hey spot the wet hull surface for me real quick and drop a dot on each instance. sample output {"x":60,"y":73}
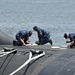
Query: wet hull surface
{"x":56,"y":61}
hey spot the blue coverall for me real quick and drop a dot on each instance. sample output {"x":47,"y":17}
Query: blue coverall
{"x":72,"y":38}
{"x":45,"y":36}
{"x":23,"y":35}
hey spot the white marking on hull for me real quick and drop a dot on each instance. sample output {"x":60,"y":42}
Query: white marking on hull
{"x":2,"y":53}
{"x":30,"y":59}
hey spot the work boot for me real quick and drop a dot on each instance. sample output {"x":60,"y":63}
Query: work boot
{"x":15,"y":43}
{"x":50,"y":41}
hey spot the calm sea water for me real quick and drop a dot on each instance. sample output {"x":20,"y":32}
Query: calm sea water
{"x":56,"y":16}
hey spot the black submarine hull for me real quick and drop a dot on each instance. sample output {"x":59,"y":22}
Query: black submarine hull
{"x":56,"y":61}
{"x":5,"y":39}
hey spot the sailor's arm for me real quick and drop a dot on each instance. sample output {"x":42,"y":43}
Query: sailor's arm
{"x":22,"y":41}
{"x":71,"y":44}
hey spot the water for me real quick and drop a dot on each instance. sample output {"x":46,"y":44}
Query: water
{"x":57,"y":16}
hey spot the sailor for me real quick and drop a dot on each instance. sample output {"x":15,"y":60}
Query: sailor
{"x":22,"y":38}
{"x":71,"y":37}
{"x":43,"y":36}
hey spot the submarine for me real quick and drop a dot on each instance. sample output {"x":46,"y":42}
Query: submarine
{"x":35,"y":59}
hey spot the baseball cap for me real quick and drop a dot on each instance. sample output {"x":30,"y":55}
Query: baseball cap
{"x":34,"y":27}
{"x":65,"y":36}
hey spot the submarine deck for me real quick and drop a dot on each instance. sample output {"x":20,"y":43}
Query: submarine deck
{"x":56,"y":61}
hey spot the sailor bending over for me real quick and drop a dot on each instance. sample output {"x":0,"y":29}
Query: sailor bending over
{"x":22,"y":38}
{"x":43,"y":36}
{"x":71,"y":37}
